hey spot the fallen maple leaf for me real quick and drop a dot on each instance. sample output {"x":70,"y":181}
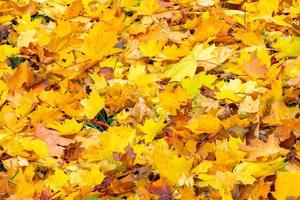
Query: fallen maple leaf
{"x":4,"y":31}
{"x":286,"y":184}
{"x":55,"y":143}
{"x":43,"y":55}
{"x":261,"y":189}
{"x":254,"y":69}
{"x":259,"y":150}
{"x":73,"y":10}
{"x":7,"y":50}
{"x":23,"y":77}
{"x":149,"y":99}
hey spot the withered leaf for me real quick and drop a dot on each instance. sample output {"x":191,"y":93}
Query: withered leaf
{"x":55,"y":143}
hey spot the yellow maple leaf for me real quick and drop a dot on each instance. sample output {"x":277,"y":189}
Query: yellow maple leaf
{"x":228,"y":152}
{"x":247,"y":172}
{"x":26,"y":187}
{"x":3,"y":91}
{"x":26,"y":37}
{"x":250,"y":38}
{"x":203,"y":167}
{"x":137,"y":73}
{"x":230,"y":90}
{"x":148,"y":7}
{"x":151,"y":128}
{"x":63,"y":28}
{"x":11,"y":120}
{"x":293,"y":47}
{"x":173,"y":53}
{"x":249,"y":105}
{"x":169,"y":164}
{"x":43,"y":37}
{"x":287,"y":184}
{"x":90,"y":177}
{"x":25,"y":105}
{"x":57,"y":180}
{"x":99,"y":82}
{"x":92,"y":105}
{"x":43,"y":114}
{"x":35,"y":145}
{"x":151,"y":47}
{"x":192,"y":85}
{"x":266,"y":7}
{"x":100,"y":42}
{"x":204,"y":124}
{"x":115,"y":139}
{"x":171,"y":99}
{"x":69,"y":126}
{"x":25,"y":23}
{"x":258,"y":149}
{"x":221,"y":181}
{"x":13,"y":148}
{"x":187,"y":66}
{"x":73,"y":10}
{"x":7,"y":50}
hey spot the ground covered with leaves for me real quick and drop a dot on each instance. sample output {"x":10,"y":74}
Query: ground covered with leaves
{"x":149,"y":99}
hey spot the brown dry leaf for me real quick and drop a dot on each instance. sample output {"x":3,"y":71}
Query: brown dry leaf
{"x":72,"y":152}
{"x":4,"y":32}
{"x":55,"y":143}
{"x":160,"y":189}
{"x":127,"y":158}
{"x":288,"y":126}
{"x":38,"y":87}
{"x":257,"y":191}
{"x":107,"y":73}
{"x":43,"y":55}
{"x":115,"y":186}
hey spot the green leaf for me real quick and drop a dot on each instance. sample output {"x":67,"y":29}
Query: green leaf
{"x":92,"y":198}
{"x":45,"y":19}
{"x":14,"y":61}
{"x":101,"y":117}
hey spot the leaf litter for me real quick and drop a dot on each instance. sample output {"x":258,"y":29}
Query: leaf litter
{"x":149,"y":99}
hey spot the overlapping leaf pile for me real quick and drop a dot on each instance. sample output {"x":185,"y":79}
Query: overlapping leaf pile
{"x":149,"y":99}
